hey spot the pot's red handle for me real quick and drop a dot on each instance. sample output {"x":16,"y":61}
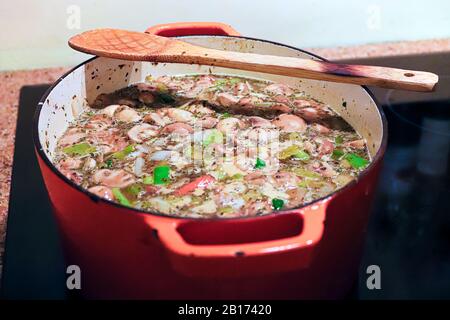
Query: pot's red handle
{"x":224,"y":257}
{"x":192,"y":28}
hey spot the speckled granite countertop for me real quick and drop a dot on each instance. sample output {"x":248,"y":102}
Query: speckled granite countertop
{"x":12,"y":81}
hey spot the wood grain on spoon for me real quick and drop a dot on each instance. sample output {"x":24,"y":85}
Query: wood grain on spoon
{"x":130,"y":45}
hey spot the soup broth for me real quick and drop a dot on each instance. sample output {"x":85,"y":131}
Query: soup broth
{"x":210,"y":146}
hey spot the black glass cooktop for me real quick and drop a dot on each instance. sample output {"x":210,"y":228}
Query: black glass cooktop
{"x":409,"y":232}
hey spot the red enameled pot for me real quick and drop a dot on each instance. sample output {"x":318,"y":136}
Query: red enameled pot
{"x":309,"y":252}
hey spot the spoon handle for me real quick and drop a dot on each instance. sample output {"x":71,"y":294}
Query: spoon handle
{"x":130,"y":45}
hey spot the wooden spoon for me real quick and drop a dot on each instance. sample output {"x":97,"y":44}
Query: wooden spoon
{"x":131,"y":45}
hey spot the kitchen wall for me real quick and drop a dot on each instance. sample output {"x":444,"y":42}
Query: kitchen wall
{"x":33,"y":34}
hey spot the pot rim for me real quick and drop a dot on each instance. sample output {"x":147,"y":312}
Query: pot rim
{"x":377,"y":157}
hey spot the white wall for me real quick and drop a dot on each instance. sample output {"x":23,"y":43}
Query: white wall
{"x":34,"y":34}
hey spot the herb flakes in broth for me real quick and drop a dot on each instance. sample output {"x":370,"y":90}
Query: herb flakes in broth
{"x":210,"y":146}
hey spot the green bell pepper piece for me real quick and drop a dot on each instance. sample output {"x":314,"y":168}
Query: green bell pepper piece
{"x":260,"y":163}
{"x":80,"y":149}
{"x":356,"y":161}
{"x":121,"y":197}
{"x":337,"y":154}
{"x":161,"y":174}
{"x":277,"y":204}
{"x":122,"y":154}
{"x":302,"y":155}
